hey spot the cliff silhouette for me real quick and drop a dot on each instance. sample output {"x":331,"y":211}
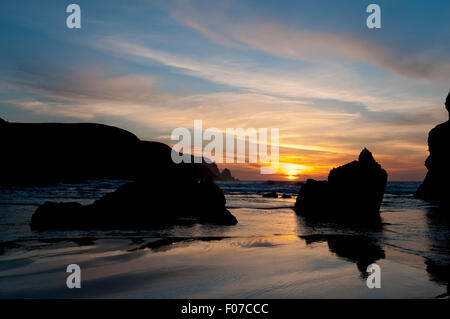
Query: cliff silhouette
{"x":47,"y":153}
{"x":435,"y":187}
{"x":161,"y":192}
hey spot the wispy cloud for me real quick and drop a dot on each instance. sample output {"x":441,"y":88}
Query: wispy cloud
{"x":330,"y":82}
{"x":276,"y":38}
{"x":329,"y":91}
{"x":310,"y":135}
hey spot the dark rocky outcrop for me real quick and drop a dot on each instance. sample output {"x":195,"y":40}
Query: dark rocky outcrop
{"x":142,"y":204}
{"x":161,"y":193}
{"x":226,"y":175}
{"x":48,"y":153}
{"x":270,"y":195}
{"x":166,"y":195}
{"x":44,"y":153}
{"x":436,"y":187}
{"x":353,"y":192}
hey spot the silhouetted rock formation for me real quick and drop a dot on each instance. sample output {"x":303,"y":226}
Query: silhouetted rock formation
{"x":226,"y":175}
{"x":436,"y":187}
{"x":150,"y":202}
{"x":55,"y":152}
{"x":353,"y":192}
{"x":207,"y":169}
{"x":270,"y":195}
{"x":47,"y":153}
{"x":162,"y":193}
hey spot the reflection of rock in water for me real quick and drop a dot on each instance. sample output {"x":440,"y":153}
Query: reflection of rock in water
{"x":312,"y":223}
{"x":438,"y":267}
{"x":440,"y":273}
{"x":166,"y":244}
{"x":359,"y":249}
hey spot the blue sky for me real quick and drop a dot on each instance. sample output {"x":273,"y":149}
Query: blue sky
{"x":311,"y":68}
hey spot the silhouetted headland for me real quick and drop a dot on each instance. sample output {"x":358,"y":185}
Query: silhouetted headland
{"x":48,"y":153}
{"x":353,"y":192}
{"x":436,"y":187}
{"x":226,"y":175}
{"x":161,"y":193}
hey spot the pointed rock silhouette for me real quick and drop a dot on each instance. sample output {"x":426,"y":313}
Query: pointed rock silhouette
{"x":353,"y":192}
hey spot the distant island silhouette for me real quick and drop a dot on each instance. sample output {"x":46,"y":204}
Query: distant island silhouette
{"x":436,"y":187}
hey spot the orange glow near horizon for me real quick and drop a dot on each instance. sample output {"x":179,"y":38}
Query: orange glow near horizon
{"x":292,"y":171}
{"x":298,"y":163}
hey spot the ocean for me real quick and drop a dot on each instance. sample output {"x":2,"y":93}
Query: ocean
{"x":270,"y":253}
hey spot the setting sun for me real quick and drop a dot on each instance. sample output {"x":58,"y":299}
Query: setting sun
{"x":292,"y":171}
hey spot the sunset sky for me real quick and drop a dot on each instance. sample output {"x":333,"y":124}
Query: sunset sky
{"x":310,"y":68}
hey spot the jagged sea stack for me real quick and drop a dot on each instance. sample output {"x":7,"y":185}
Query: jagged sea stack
{"x":353,"y":192}
{"x":436,"y":187}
